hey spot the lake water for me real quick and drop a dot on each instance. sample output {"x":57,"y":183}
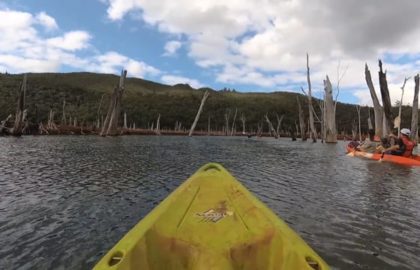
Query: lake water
{"x":64,"y":201}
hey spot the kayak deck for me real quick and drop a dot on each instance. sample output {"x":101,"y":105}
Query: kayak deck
{"x":409,"y":161}
{"x":211,"y":222}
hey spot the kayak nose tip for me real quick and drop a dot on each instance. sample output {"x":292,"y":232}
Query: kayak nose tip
{"x":212,"y":167}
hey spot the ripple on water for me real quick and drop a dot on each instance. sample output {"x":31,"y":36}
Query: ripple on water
{"x":64,"y":201}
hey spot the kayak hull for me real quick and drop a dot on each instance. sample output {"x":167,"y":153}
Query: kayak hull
{"x":211,"y":222}
{"x":409,"y":161}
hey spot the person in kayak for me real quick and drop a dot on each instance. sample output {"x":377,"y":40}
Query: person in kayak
{"x":368,"y":145}
{"x":404,"y":146}
{"x":383,"y":145}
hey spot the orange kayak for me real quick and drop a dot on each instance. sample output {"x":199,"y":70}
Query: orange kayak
{"x":409,"y":161}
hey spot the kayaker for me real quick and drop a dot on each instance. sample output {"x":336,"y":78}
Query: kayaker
{"x":409,"y":144}
{"x":383,"y":145}
{"x":404,"y":146}
{"x":368,"y":145}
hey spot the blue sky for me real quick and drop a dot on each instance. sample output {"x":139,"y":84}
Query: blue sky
{"x":249,"y":46}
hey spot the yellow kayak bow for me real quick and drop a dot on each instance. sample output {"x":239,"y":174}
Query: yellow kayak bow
{"x":211,"y":221}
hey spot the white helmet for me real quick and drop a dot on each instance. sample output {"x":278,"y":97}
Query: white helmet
{"x":405,"y":131}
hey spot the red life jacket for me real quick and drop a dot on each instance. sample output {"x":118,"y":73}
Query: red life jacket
{"x":409,"y":145}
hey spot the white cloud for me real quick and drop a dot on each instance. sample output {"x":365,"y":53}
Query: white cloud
{"x":71,"y":41}
{"x":18,"y":63}
{"x":113,"y":62}
{"x":16,"y":29}
{"x":24,"y":49}
{"x":172,"y":80}
{"x":250,"y":41}
{"x":47,"y":21}
{"x":172,"y":47}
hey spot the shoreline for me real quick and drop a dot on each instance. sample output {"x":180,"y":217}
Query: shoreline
{"x":93,"y":131}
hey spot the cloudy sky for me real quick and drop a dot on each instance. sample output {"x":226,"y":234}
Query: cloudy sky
{"x":254,"y":45}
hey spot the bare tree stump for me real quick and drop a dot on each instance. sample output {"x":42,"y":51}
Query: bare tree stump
{"x":301,"y":120}
{"x":378,"y":111}
{"x":388,"y":119}
{"x":110,"y":125}
{"x":313,"y":133}
{"x":51,"y":124}
{"x":98,"y":114}
{"x":259,"y":129}
{"x":208,"y":125}
{"x":226,"y":127}
{"x":234,"y":122}
{"x":63,"y":116}
{"x":157,"y":130}
{"x":200,"y":109}
{"x":270,"y":126}
{"x":415,"y":111}
{"x":19,"y":116}
{"x":279,"y":121}
{"x":369,"y":120}
{"x":243,"y":120}
{"x":330,"y":129}
{"x":358,"y":117}
{"x":3,"y":128}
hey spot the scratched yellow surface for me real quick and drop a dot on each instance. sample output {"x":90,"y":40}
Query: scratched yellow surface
{"x":211,"y":222}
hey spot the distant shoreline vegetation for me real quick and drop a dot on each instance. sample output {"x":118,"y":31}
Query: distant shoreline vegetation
{"x":84,"y":99}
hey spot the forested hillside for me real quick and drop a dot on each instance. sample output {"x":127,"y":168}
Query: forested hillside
{"x":144,"y":100}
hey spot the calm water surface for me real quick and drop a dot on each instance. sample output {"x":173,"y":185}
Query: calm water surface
{"x":64,"y":201}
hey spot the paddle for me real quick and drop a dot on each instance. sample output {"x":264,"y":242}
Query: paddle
{"x":382,"y":156}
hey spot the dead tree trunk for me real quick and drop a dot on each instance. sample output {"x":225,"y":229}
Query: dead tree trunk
{"x":329,"y":113}
{"x":51,"y":124}
{"x":232,"y":132}
{"x":259,"y":129}
{"x":358,"y":117}
{"x":270,"y":127}
{"x":197,"y":117}
{"x":415,"y":111}
{"x":369,"y":120}
{"x":157,"y":130}
{"x":301,"y":120}
{"x":279,"y":120}
{"x":42,"y":129}
{"x":292,"y":134}
{"x":19,"y":117}
{"x":3,"y":128}
{"x":378,"y":111}
{"x":323,"y":122}
{"x":386,"y":101}
{"x":63,"y":116}
{"x":208,"y":125}
{"x":98,"y":113}
{"x":178,"y":126}
{"x":313,"y":133}
{"x":125,"y":120}
{"x":243,"y":120}
{"x":110,"y":124}
{"x":398,"y":124}
{"x":227,"y":117}
{"x":354,"y":131}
